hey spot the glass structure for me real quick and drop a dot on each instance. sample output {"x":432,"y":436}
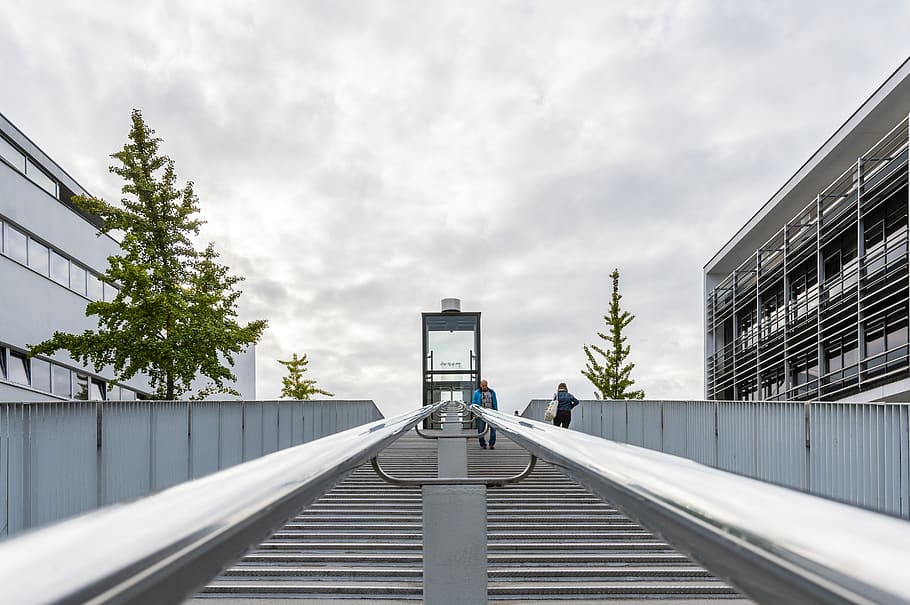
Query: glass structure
{"x":451,"y":356}
{"x":820,"y":311}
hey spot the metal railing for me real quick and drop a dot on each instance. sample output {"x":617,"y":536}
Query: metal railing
{"x":163,"y":548}
{"x":774,"y":544}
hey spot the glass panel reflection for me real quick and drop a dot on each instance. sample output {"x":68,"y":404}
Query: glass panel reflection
{"x":450,"y":350}
{"x":61,"y":378}
{"x":15,"y":243}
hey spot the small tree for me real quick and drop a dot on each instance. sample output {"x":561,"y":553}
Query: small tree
{"x":173,"y":317}
{"x":294,"y":385}
{"x":611,"y":378}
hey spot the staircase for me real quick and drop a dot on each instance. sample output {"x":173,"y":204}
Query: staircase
{"x":549,"y":539}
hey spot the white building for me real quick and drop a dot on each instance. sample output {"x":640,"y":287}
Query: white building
{"x":810,"y":299}
{"x":50,"y":262}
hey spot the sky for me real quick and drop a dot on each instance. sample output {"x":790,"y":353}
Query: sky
{"x":356,"y":162}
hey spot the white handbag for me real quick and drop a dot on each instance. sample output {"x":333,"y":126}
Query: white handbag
{"x":550,"y":414}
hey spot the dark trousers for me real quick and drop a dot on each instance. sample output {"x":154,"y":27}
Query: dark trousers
{"x":562,"y":419}
{"x":482,"y":425}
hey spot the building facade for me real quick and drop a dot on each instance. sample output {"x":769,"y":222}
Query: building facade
{"x":810,"y":299}
{"x":51,"y":260}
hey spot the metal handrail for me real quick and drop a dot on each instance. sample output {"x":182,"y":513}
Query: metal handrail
{"x":774,"y":544}
{"x":165,"y":547}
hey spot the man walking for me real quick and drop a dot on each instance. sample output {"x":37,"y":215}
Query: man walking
{"x":485,"y":397}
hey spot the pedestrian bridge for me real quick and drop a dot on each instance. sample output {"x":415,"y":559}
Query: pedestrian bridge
{"x":675,"y":501}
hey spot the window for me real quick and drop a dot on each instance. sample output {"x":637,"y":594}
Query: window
{"x":110,"y":292}
{"x":61,"y":381}
{"x":127,"y":394}
{"x":97,"y":390}
{"x":113,"y":392}
{"x":41,"y":375}
{"x":77,"y":279}
{"x":18,"y":368}
{"x":38,"y":256}
{"x":12,"y":155}
{"x":40,"y":178}
{"x":2,"y":361}
{"x":60,"y":269}
{"x":80,"y":382}
{"x":15,"y":243}
{"x":95,"y":289}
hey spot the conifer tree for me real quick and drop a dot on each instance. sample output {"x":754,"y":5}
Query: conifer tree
{"x":294,"y":385}
{"x":611,"y":376}
{"x":174,"y":316}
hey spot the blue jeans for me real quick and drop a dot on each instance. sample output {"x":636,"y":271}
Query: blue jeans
{"x":482,"y":425}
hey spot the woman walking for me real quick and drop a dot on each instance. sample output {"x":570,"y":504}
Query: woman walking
{"x":566,"y":401}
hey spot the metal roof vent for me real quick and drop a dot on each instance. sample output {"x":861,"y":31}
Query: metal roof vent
{"x":451,"y":304}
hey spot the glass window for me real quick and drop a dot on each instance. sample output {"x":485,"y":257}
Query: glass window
{"x":875,"y":338}
{"x":18,"y":368}
{"x":110,"y":292}
{"x":61,"y":381}
{"x":113,"y":392}
{"x":95,"y":290}
{"x":77,"y":278}
{"x":41,"y":375}
{"x":96,"y":390}
{"x":127,"y":394}
{"x":40,"y":178}
{"x":38,"y":256}
{"x":3,"y":363}
{"x":12,"y":155}
{"x":60,"y":269}
{"x":15,"y":243}
{"x":80,"y":382}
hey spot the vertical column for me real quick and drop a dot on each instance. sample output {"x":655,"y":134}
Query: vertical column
{"x":454,"y":544}
{"x":452,"y":454}
{"x":786,"y":251}
{"x":860,"y":265}
{"x":819,"y":271}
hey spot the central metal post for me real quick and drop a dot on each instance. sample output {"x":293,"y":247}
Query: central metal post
{"x":452,"y":454}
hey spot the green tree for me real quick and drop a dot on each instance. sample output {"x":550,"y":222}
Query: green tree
{"x":174,"y":316}
{"x":294,"y":385}
{"x":611,"y":377}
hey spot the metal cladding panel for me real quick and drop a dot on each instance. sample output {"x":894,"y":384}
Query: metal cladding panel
{"x":676,"y":437}
{"x":780,"y":443}
{"x":62,"y":461}
{"x":700,"y":429}
{"x":736,"y":437}
{"x":606,"y":419}
{"x":17,"y":442}
{"x":635,"y":423}
{"x":231,"y":433}
{"x":308,"y":423}
{"x":126,"y":450}
{"x":269,"y":427}
{"x":298,"y":416}
{"x":652,"y":430}
{"x":4,"y":469}
{"x":285,"y":423}
{"x":204,"y":438}
{"x":904,"y":462}
{"x":858,"y":454}
{"x":329,"y":417}
{"x":252,"y":430}
{"x":170,"y":444}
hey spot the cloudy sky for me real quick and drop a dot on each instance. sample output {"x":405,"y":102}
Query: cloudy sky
{"x":358,"y":161}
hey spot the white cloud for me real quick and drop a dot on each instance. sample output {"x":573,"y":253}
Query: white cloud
{"x":359,"y":161}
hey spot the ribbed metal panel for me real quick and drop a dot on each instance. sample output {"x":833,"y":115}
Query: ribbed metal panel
{"x":170,"y":443}
{"x":204,"y":438}
{"x":252,"y":430}
{"x":62,"y":460}
{"x":231,"y":424}
{"x":780,"y":443}
{"x":736,"y":437}
{"x":126,"y":451}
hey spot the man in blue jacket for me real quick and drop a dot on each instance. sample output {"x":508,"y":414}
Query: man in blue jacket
{"x":485,"y":397}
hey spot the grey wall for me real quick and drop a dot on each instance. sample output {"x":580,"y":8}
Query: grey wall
{"x":857,"y":453}
{"x":58,"y":459}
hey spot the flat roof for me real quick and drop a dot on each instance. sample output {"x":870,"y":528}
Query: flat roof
{"x":877,"y":116}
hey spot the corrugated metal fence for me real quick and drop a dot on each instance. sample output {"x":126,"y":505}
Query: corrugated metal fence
{"x":852,"y":452}
{"x":62,"y":458}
